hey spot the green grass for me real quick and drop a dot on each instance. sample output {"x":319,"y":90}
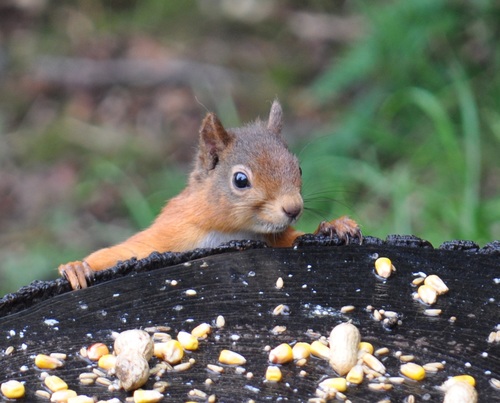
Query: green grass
{"x":412,"y":138}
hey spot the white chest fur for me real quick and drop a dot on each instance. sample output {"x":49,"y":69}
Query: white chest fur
{"x":215,"y":238}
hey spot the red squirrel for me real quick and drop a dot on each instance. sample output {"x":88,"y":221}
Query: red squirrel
{"x":245,"y":184}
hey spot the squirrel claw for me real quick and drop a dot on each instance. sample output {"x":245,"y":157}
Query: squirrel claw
{"x":343,"y":228}
{"x":79,"y":274}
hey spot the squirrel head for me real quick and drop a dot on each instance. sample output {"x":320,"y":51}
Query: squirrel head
{"x":249,"y":174}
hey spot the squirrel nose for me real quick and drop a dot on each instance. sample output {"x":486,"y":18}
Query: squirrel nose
{"x":292,"y":211}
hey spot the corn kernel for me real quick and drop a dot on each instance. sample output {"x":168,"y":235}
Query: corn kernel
{"x":427,"y":294}
{"x":435,"y":282}
{"x":147,"y":396}
{"x":464,"y":378}
{"x":107,"y":362}
{"x":232,"y":358}
{"x":301,"y":350}
{"x":43,"y":361}
{"x":281,"y":354}
{"x":413,"y":371}
{"x":54,"y":383}
{"x":202,"y":330}
{"x":339,"y":384}
{"x":320,"y":350}
{"x":273,"y":374}
{"x":62,"y":396}
{"x":366,"y":347}
{"x":96,"y":351}
{"x":384,"y":267}
{"x":171,"y":351}
{"x":355,"y":375}
{"x":187,"y":340}
{"x":12,"y":389}
{"x":373,"y":363}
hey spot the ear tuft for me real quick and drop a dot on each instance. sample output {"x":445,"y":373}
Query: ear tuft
{"x":275,"y":122}
{"x":213,"y":140}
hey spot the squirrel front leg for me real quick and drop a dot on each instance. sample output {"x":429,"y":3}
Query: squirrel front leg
{"x":78,"y":273}
{"x":343,"y":228}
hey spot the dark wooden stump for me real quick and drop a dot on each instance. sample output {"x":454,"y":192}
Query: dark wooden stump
{"x":239,"y":282}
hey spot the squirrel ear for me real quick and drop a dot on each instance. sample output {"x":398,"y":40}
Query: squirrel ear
{"x":275,"y":122}
{"x":213,"y":140}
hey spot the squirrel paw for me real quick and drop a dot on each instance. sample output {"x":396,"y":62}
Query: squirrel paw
{"x":343,"y":228}
{"x":79,"y":274}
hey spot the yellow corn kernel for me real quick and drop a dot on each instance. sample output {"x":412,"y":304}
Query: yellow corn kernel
{"x":158,"y":349}
{"x":202,"y":330}
{"x":339,"y":384}
{"x":54,"y":383}
{"x":44,"y":361}
{"x":427,"y":294}
{"x":188,"y":341}
{"x":374,"y":363}
{"x":96,"y":351}
{"x":232,"y":358}
{"x":465,"y":378}
{"x":171,"y":351}
{"x":413,"y":371}
{"x":355,"y":375}
{"x":107,"y":362}
{"x":301,"y":350}
{"x":366,"y":347}
{"x":12,"y":389}
{"x":81,"y":399}
{"x":281,"y":354}
{"x":147,"y":396}
{"x":62,"y":396}
{"x":384,"y":267}
{"x":273,"y":374}
{"x":435,"y":282}
{"x":320,"y":350}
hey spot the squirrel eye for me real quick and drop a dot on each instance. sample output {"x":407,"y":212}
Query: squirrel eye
{"x":240,"y":180}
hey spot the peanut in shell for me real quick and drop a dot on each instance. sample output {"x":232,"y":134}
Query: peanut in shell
{"x":344,"y":342}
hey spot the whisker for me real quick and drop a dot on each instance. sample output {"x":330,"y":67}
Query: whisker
{"x":316,"y":212}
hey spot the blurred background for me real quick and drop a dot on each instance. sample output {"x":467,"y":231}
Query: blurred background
{"x":393,"y":108}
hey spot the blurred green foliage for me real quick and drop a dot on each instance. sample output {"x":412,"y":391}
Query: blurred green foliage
{"x":397,"y":125}
{"x":418,"y":139}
